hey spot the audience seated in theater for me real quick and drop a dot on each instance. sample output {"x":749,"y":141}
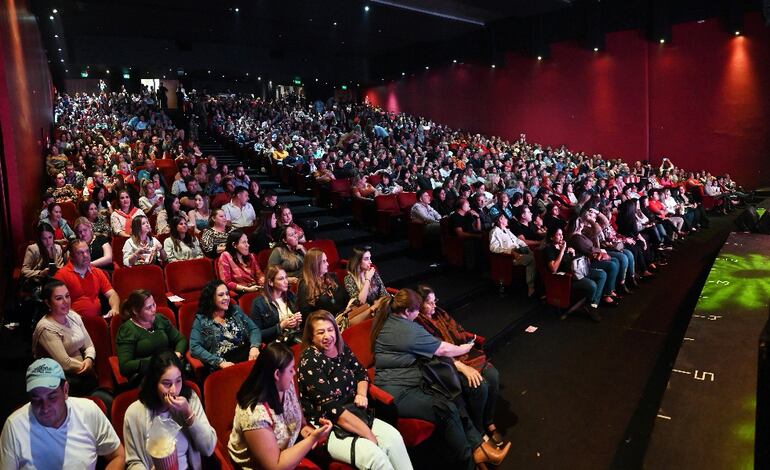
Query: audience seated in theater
{"x":423,"y":213}
{"x":98,"y":245}
{"x":61,"y":335}
{"x":523,"y":226}
{"x":214,"y":238}
{"x":334,"y":386}
{"x":238,"y":268}
{"x":262,"y":238}
{"x":164,"y":394}
{"x":464,"y":222}
{"x":363,"y":282}
{"x":361,"y":189}
{"x":99,"y":197}
{"x":440,"y":203}
{"x":502,"y":240}
{"x":62,"y":231}
{"x":63,"y":192}
{"x":239,"y":212}
{"x":198,"y":216}
{"x":318,"y":288}
{"x":286,"y":219}
{"x":615,"y":250}
{"x":288,"y":253}
{"x":124,"y":214}
{"x":86,"y":283}
{"x":41,"y":259}
{"x":275,"y":311}
{"x":142,"y":247}
{"x":100,"y":224}
{"x":589,"y":283}
{"x":399,"y":344}
{"x":151,"y":202}
{"x":478,"y":204}
{"x":171,"y":208}
{"x":181,"y":245}
{"x":35,"y":435}
{"x":480,"y":380}
{"x":268,"y":418}
{"x":143,"y":334}
{"x":597,"y":257}
{"x":222,"y":335}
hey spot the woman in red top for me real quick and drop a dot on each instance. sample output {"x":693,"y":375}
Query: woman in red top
{"x":237,"y":267}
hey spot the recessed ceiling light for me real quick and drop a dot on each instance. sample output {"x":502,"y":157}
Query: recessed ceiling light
{"x":596,"y":49}
{"x":403,"y":74}
{"x":55,"y":11}
{"x":61,"y":60}
{"x":335,"y":23}
{"x":494,"y":66}
{"x":426,"y":67}
{"x":108,"y":72}
{"x":237,"y":10}
{"x":366,"y":8}
{"x":209,"y":71}
{"x":56,"y":35}
{"x":539,"y":57}
{"x":662,"y":41}
{"x":50,"y":18}
{"x":247,"y":74}
{"x":737,"y":33}
{"x":59,"y":49}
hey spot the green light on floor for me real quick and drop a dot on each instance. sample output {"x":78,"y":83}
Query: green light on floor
{"x":760,"y":211}
{"x":726,"y":286}
{"x":750,"y":404}
{"x":746,"y":463}
{"x":745,"y":431}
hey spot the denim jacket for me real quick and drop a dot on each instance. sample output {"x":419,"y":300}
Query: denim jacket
{"x":204,"y":337}
{"x":265,"y":315}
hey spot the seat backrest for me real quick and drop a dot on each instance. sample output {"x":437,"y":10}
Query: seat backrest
{"x":387,"y":202}
{"x":219,"y":391}
{"x":119,"y":406}
{"x":69,"y":212}
{"x":262,"y":257}
{"x":189,"y":275}
{"x":147,"y":276}
{"x":341,"y":185}
{"x":187,"y":318}
{"x":117,"y":249}
{"x":358,"y":340}
{"x":100,"y":337}
{"x":375,"y":179}
{"x":406,"y":199}
{"x":329,"y":248}
{"x":246,"y":300}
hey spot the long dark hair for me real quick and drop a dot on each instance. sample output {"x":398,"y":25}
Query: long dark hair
{"x":263,"y":224}
{"x":187,"y":240}
{"x":259,"y":386}
{"x":41,"y":229}
{"x":148,"y":390}
{"x":232,"y":239}
{"x":206,"y":304}
{"x":405,"y":299}
{"x":167,"y":205}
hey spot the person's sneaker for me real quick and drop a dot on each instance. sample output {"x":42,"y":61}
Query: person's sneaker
{"x":594,"y":314}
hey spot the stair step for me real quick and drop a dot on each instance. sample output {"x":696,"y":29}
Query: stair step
{"x":292,"y":200}
{"x":344,"y":236}
{"x":380,"y":251}
{"x":403,"y":271}
{"x":327,"y":222}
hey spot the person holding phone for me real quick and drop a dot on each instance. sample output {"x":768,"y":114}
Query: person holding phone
{"x":480,"y":380}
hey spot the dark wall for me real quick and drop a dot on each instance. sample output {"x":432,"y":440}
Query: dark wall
{"x":25,"y":119}
{"x":703,"y":100}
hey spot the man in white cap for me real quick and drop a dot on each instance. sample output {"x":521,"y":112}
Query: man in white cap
{"x":57,"y":431}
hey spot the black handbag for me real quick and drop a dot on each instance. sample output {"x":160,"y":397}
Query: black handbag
{"x":439,"y":377}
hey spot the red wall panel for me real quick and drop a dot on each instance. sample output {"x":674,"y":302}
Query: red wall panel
{"x":698,"y":101}
{"x":25,"y":116}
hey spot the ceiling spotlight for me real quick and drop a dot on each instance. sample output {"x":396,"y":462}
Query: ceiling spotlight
{"x":334,"y":24}
{"x":247,"y":74}
{"x":454,"y":61}
{"x":50,"y":18}
{"x":56,"y":35}
{"x":62,"y":61}
{"x":66,"y":70}
{"x":737,"y":33}
{"x":403,"y":74}
{"x":494,"y":66}
{"x":539,"y":57}
{"x":209,"y":71}
{"x":662,"y":41}
{"x":55,"y":11}
{"x":366,"y":8}
{"x":108,"y":72}
{"x":596,"y":49}
{"x":259,"y":78}
{"x":237,"y":10}
{"x":316,"y":79}
{"x":426,"y":67}
{"x":60,"y":49}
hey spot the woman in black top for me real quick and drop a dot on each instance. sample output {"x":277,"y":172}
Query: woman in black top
{"x":262,"y":237}
{"x":440,"y":202}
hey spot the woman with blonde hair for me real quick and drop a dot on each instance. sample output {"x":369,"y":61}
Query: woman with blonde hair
{"x":318,"y":288}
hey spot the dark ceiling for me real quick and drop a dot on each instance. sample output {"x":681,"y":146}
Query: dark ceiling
{"x":334,"y":40}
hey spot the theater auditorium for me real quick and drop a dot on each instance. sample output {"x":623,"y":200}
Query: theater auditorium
{"x":385,"y":234}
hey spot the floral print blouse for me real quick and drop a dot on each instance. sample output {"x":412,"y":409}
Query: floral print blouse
{"x":327,"y":384}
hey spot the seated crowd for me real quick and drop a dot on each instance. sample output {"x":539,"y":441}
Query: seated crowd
{"x":131,"y":191}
